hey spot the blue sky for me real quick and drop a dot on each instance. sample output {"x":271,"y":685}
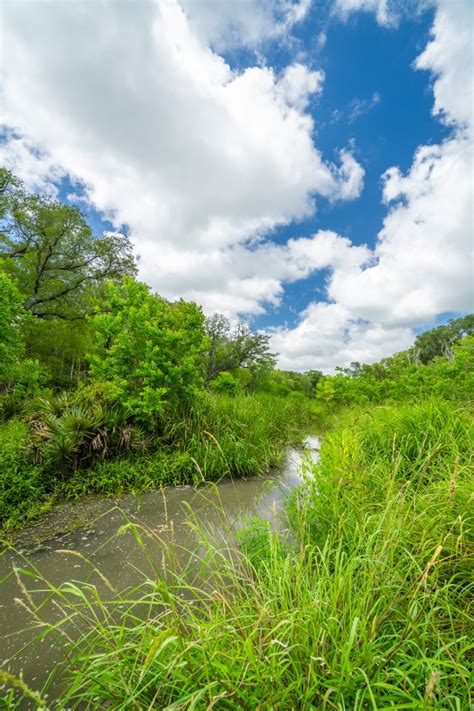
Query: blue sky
{"x":297,"y":164}
{"x":361,"y":59}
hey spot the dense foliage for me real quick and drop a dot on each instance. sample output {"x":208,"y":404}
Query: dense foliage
{"x":106,"y":387}
{"x":51,"y":251}
{"x":399,"y":379}
{"x":98,"y":374}
{"x":148,"y":352}
{"x":370,"y":610}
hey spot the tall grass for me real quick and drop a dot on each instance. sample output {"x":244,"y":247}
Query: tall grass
{"x":366,"y":606}
{"x":220,"y":436}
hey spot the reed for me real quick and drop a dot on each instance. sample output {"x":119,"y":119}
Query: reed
{"x":366,"y":605}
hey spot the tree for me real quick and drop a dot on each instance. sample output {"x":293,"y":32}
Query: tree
{"x":149,"y":351}
{"x":313,"y":377}
{"x":18,"y":374}
{"x":439,"y":342}
{"x":11,"y":340}
{"x":53,"y":254}
{"x":233,"y":348}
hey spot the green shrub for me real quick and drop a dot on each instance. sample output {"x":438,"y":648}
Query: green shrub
{"x":75,"y":429}
{"x":24,"y":489}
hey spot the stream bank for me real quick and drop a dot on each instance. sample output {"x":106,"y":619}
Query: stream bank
{"x":78,"y":555}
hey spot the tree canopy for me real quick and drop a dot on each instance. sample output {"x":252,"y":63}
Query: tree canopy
{"x":236,"y":347}
{"x":148,"y":351}
{"x":53,"y":254}
{"x":440,"y":341}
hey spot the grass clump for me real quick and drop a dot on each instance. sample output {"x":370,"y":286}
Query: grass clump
{"x":367,"y":606}
{"x":24,"y":489}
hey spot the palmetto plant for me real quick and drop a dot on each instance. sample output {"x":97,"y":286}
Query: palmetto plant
{"x":68,"y":434}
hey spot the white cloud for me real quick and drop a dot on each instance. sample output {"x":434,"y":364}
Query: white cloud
{"x":298,"y":84}
{"x":360,"y":107}
{"x":198,"y":160}
{"x":34,"y":167}
{"x":202,"y":162}
{"x":351,"y":176}
{"x":327,"y":336}
{"x":423,"y":262}
{"x":450,"y":57}
{"x":226,"y":24}
{"x":385,"y":10}
{"x":244,"y":280}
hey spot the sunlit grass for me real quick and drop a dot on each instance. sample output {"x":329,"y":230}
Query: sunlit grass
{"x":220,"y":436}
{"x":366,"y":606}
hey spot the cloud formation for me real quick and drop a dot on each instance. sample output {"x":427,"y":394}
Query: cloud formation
{"x":195,"y":158}
{"x":422,"y":263}
{"x":386,"y":11}
{"x":202,"y":162}
{"x":226,"y":25}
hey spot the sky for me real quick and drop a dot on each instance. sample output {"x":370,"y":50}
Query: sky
{"x":305,"y":165}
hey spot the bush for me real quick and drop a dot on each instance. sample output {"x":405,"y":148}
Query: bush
{"x":24,"y":489}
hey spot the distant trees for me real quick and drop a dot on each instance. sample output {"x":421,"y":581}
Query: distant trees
{"x":231,"y":348}
{"x":439,"y":342}
{"x":446,"y":374}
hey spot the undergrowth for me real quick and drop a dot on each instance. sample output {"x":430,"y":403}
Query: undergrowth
{"x":219,"y":436}
{"x":366,"y":606}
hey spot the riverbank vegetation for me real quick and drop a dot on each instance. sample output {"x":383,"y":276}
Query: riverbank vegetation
{"x":364,"y":601}
{"x":368,"y":603}
{"x":106,"y":387}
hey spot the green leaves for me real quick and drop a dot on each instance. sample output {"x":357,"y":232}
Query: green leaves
{"x":51,"y":250}
{"x":11,"y":340}
{"x":399,"y":379}
{"x":149,"y":351}
{"x":232,"y":349}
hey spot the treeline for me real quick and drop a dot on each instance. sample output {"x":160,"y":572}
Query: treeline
{"x":73,"y":314}
{"x":106,"y":386}
{"x":440,"y":364}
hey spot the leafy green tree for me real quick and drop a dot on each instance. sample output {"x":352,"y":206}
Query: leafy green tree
{"x":227,"y":384}
{"x":19,"y":376}
{"x":61,"y":347}
{"x":53,"y":254}
{"x":149,"y":351}
{"x":234,"y":348}
{"x":12,"y":345}
{"x":439,"y":342}
{"x":312,"y":379}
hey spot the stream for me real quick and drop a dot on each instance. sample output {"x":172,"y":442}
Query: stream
{"x":217,"y":508}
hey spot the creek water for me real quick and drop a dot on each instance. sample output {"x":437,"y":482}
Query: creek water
{"x":169,"y":513}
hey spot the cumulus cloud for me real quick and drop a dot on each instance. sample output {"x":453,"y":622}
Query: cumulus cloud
{"x":198,"y":160}
{"x":450,"y":56}
{"x":422,"y":263}
{"x":33,"y":166}
{"x":203,"y":162}
{"x":245,"y":280}
{"x":327,"y":336}
{"x":226,"y":25}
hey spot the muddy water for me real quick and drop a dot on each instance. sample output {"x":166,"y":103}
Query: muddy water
{"x":169,"y":515}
